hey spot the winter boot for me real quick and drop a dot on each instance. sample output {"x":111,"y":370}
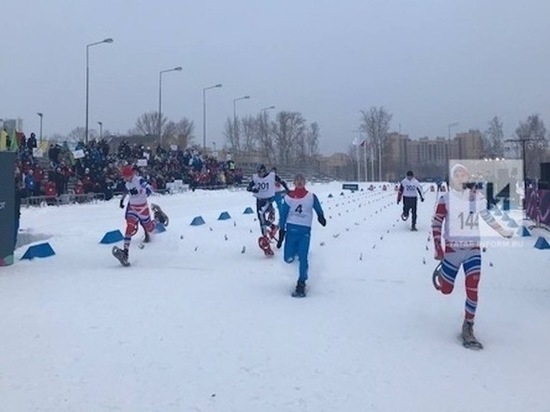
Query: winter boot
{"x":404,"y":216}
{"x":413,"y":228}
{"x":468,"y":338}
{"x":147,"y":237}
{"x":300,"y":291}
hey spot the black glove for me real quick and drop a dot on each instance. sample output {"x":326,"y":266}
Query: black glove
{"x":321,"y":219}
{"x":398,"y":201}
{"x":121,"y":204}
{"x":282,"y":234}
{"x":133,"y":191}
{"x":421,"y":199}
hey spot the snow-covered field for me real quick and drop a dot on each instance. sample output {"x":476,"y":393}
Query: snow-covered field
{"x":195,"y":324}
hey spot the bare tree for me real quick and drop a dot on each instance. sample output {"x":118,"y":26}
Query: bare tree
{"x":288,"y":129}
{"x":532,"y":134}
{"x":147,"y":124}
{"x":250,"y":134}
{"x":232,"y":136}
{"x":78,"y":134}
{"x":312,"y":140}
{"x":180,"y":133}
{"x":494,"y":138}
{"x":266,"y":138}
{"x":376,"y":123}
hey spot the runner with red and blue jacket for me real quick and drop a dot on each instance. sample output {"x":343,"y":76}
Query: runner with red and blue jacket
{"x":295,"y":228}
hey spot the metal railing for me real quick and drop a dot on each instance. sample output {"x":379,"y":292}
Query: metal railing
{"x":65,"y":199}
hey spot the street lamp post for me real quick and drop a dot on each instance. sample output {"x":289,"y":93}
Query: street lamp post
{"x":109,"y":40}
{"x":159,"y":126}
{"x":235,"y":106}
{"x":41,"y":115}
{"x":100,"y":129}
{"x":204,"y":112}
{"x":265,"y":109}
{"x":235,"y":128}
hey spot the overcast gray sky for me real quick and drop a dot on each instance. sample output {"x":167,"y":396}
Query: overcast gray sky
{"x":428,"y":62}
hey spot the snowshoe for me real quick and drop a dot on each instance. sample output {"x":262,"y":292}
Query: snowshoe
{"x":271,"y":215}
{"x":436,"y":276}
{"x":273,"y":231}
{"x":121,"y":255}
{"x":264,"y":244}
{"x":300,"y":291}
{"x":159,"y":215}
{"x":469,"y":340}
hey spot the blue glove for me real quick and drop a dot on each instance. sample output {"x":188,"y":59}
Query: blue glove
{"x":148,"y":191}
{"x":321,"y":219}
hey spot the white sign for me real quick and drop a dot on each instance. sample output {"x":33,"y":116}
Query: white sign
{"x":78,"y":154}
{"x":176,"y":186}
{"x":142,"y":162}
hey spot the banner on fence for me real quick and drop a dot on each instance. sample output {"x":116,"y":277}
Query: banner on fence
{"x":176,"y":186}
{"x":37,"y":152}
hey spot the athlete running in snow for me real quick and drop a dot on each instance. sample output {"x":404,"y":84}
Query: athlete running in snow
{"x":295,"y":228}
{"x":456,"y":220}
{"x":409,"y":190}
{"x":263,"y":186}
{"x":137,"y":211}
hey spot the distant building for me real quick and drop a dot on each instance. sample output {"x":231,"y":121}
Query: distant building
{"x":469,"y":145}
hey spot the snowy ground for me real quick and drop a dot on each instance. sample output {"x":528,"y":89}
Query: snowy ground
{"x":196,"y":325}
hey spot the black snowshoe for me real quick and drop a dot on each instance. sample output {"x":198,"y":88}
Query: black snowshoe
{"x":469,"y":340}
{"x":121,"y":255}
{"x":159,"y":215}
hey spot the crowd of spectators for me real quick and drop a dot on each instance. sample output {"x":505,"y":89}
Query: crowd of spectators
{"x":94,"y":169}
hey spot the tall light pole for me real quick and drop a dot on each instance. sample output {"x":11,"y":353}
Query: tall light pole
{"x":204,"y":112}
{"x":235,"y":107}
{"x":41,"y":115}
{"x":265,"y":109}
{"x":108,"y":40}
{"x":100,"y":129}
{"x":358,"y":143}
{"x":159,"y":126}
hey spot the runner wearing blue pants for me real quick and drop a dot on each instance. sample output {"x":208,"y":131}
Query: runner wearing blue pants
{"x":295,"y":228}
